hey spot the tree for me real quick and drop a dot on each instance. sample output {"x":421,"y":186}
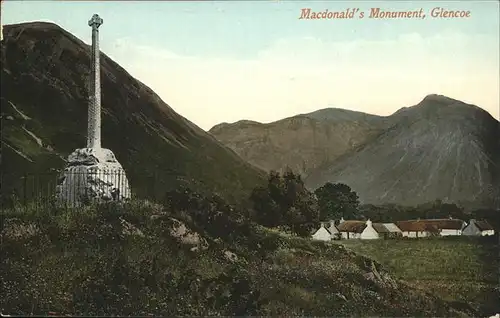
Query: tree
{"x":337,"y":200}
{"x":267,"y":210}
{"x":285,"y":202}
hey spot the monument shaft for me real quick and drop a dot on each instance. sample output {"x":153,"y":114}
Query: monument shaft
{"x":94,"y":113}
{"x":93,"y":173}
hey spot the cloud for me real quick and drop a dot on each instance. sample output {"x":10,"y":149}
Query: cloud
{"x":297,"y":75}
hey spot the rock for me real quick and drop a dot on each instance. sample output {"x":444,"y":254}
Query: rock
{"x":180,"y":231}
{"x":92,"y":174}
{"x":230,"y":256}
{"x":380,"y":277}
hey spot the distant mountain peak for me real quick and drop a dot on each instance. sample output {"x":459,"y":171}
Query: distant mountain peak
{"x":440,"y":99}
{"x":39,"y":25}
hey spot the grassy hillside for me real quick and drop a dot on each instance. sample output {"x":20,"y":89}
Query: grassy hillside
{"x":146,"y":259}
{"x":44,"y":100}
{"x":458,"y":269}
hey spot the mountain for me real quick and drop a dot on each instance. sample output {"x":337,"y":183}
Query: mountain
{"x":304,"y":142}
{"x":440,"y":148}
{"x":44,"y":97}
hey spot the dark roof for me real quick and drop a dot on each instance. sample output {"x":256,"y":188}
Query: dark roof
{"x":314,"y":230}
{"x":429,"y":224}
{"x":447,"y":224}
{"x":483,"y":225}
{"x":380,"y":228}
{"x":352,"y":226}
{"x":332,"y":228}
{"x":416,"y":226}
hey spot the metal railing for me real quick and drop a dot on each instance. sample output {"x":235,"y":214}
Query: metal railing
{"x":78,"y":186}
{"x":75,"y":187}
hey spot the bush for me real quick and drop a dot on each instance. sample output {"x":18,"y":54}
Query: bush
{"x":286,"y":202}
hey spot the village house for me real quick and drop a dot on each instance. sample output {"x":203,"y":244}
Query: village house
{"x":393,"y":230}
{"x":431,"y":227}
{"x":478,"y":228}
{"x":322,"y":234}
{"x":351,"y":229}
{"x":380,"y":230}
{"x":326,"y":232}
{"x":447,"y":227}
{"x":334,"y":231}
{"x":417,"y":228}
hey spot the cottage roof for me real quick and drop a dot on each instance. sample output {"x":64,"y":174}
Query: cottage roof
{"x":446,"y":224}
{"x":484,"y":225}
{"x":352,"y":226}
{"x":393,"y":228}
{"x":380,"y":228}
{"x":332,"y":228}
{"x":429,"y":224}
{"x":321,"y":228}
{"x":416,"y":226}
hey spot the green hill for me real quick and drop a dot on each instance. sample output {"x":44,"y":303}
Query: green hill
{"x":460,"y":269}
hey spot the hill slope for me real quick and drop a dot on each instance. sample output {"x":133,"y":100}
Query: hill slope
{"x":44,"y":113}
{"x":141,"y":260}
{"x":303,"y":143}
{"x":439,"y":149}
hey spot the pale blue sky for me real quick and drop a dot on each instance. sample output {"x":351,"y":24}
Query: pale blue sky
{"x":257,"y":60}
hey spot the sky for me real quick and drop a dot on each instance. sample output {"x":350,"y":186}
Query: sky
{"x":224,"y":61}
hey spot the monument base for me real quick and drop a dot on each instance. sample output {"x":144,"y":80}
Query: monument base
{"x":92,"y":175}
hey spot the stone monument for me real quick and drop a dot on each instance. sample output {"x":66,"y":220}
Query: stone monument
{"x":93,"y":173}
{"x":1,"y":25}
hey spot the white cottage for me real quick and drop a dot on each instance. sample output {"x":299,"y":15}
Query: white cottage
{"x":322,"y":234}
{"x":334,"y":231}
{"x":416,"y":229}
{"x":351,"y":229}
{"x":431,"y":227}
{"x":478,"y":228}
{"x":380,"y":230}
{"x":369,"y":233}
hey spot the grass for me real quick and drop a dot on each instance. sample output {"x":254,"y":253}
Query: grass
{"x":456,"y":268}
{"x":81,"y":262}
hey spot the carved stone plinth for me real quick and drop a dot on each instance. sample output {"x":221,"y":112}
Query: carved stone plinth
{"x":92,"y":175}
